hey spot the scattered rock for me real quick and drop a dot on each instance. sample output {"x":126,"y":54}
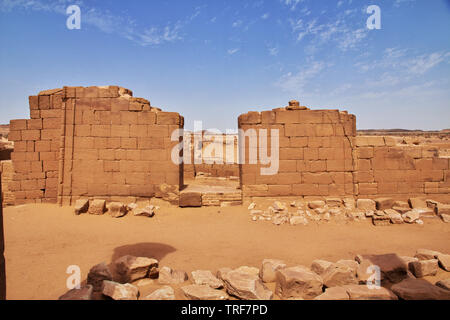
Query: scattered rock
{"x":130,"y":268}
{"x":444,"y":284}
{"x":424,"y":268}
{"x":81,"y":206}
{"x":164,"y":293}
{"x":131,"y":206}
{"x":333,"y":202}
{"x":84,"y":293}
{"x":349,"y":203}
{"x":363,"y":292}
{"x":97,"y":207}
{"x":407,"y":260}
{"x":144,"y":212}
{"x":419,"y":289}
{"x":425,"y":254}
{"x":401,"y":204}
{"x":117,"y":209}
{"x":190,"y":199}
{"x":279,"y":206}
{"x":381,"y":221}
{"x":205,"y":277}
{"x":338,"y":275}
{"x":394,"y":216}
{"x":97,"y":274}
{"x":352,"y":264}
{"x":366,"y":204}
{"x":246,"y":286}
{"x":363,"y":273}
{"x":221,"y":272}
{"x":316,"y":204}
{"x":268,"y":270}
{"x":118,"y":291}
{"x":248,"y":270}
{"x":411,"y":216}
{"x":203,"y":292}
{"x":335,"y":293}
{"x":401,"y":210}
{"x":169,"y":276}
{"x":280,"y":219}
{"x":384,"y":203}
{"x":319,"y":266}
{"x":444,"y":261}
{"x":443,"y":209}
{"x":298,"y":282}
{"x":296,"y":220}
{"x":392,"y":267}
{"x":251,"y":206}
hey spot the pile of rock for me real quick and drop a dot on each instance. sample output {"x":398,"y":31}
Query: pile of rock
{"x":382,"y":211}
{"x":323,"y":280}
{"x":115,"y":209}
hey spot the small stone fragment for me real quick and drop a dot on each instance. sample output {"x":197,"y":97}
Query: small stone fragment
{"x":118,"y":291}
{"x":97,"y":207}
{"x":81,"y":206}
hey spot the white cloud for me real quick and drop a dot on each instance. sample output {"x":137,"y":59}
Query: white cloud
{"x":273,"y":51}
{"x":237,"y":23}
{"x":233,"y":51}
{"x":296,"y":83}
{"x":422,"y":64}
{"x":265,"y":16}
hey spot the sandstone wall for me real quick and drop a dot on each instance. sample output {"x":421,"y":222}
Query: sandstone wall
{"x":7,"y":173}
{"x":384,"y":167}
{"x":93,"y":142}
{"x":315,"y":153}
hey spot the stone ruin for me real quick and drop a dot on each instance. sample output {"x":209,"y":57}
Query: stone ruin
{"x":101,"y":142}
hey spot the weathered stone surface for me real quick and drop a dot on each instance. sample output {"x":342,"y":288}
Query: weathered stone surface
{"x":84,"y":293}
{"x":246,"y":286}
{"x":249,"y":270}
{"x":117,"y":209}
{"x":407,"y":259}
{"x":443,"y":208}
{"x":419,"y":289}
{"x":221,"y":272}
{"x":280,"y":219}
{"x":384,"y":203}
{"x":81,"y":206}
{"x":251,"y":206}
{"x":298,"y":282}
{"x":338,"y":274}
{"x":148,"y":211}
{"x":363,"y":292}
{"x":401,"y":210}
{"x":97,"y":274}
{"x":203,"y":292}
{"x":366,"y":204}
{"x":444,"y":284}
{"x":296,"y":220}
{"x":190,"y":199}
{"x":316,"y":204}
{"x":97,"y":207}
{"x":169,"y":276}
{"x":363,"y":273}
{"x":164,"y":293}
{"x":118,"y":291}
{"x":130,"y":268}
{"x":352,"y":264}
{"x":392,"y":267}
{"x":381,"y":221}
{"x":444,"y":261}
{"x":319,"y":266}
{"x":425,"y":254}
{"x":349,"y":203}
{"x":268,"y":270}
{"x":394,"y":216}
{"x":445,"y":217}
{"x":205,"y":277}
{"x":279,"y":206}
{"x":411,"y":216}
{"x":335,"y":293}
{"x":333,"y":202}
{"x":424,"y":268}
{"x":418,"y":203}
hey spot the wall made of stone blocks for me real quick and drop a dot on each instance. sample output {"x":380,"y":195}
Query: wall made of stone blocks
{"x":315,"y":154}
{"x":383,"y":167}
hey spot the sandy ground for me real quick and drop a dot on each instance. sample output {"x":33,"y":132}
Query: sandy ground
{"x":43,"y":240}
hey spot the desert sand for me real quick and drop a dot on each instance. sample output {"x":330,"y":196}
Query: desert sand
{"x":43,"y":240}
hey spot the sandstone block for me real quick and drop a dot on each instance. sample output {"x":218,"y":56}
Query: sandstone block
{"x":424,"y":268}
{"x":268,"y":270}
{"x":319,"y":266}
{"x":316,"y":204}
{"x":97,"y":207}
{"x":338,"y":274}
{"x":164,"y":293}
{"x":417,"y":203}
{"x":335,"y":293}
{"x":190,"y":199}
{"x":118,"y":291}
{"x":392,"y":267}
{"x":444,"y":261}
{"x":205,"y":277}
{"x":366,"y":204}
{"x":444,"y":284}
{"x":419,"y":289}
{"x":362,"y":292}
{"x":130,"y":268}
{"x":117,"y":209}
{"x":169,"y":276}
{"x":298,"y":282}
{"x":384,"y":203}
{"x":425,"y":254}
{"x":97,"y":274}
{"x":203,"y":292}
{"x":411,"y":216}
{"x":81,"y":206}
{"x":84,"y":293}
{"x":245,"y":286}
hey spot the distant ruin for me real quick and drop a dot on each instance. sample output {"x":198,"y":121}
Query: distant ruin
{"x":101,"y":142}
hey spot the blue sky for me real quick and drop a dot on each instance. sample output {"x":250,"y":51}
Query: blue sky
{"x":212,"y":60}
